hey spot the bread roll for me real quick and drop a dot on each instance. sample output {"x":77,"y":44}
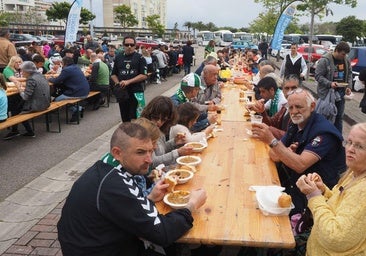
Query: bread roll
{"x":172,"y":181}
{"x":284,"y":200}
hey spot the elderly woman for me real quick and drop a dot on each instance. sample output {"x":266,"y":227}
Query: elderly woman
{"x":35,"y":97}
{"x":339,"y":214}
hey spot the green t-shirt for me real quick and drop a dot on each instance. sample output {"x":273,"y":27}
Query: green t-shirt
{"x":8,"y":72}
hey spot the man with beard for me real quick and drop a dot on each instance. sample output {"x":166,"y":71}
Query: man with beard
{"x":130,"y":72}
{"x":106,"y":212}
{"x":311,"y":144}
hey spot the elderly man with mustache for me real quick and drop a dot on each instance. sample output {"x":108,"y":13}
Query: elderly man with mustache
{"x":311,"y":144}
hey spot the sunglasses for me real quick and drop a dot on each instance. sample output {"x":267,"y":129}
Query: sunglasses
{"x":129,"y":45}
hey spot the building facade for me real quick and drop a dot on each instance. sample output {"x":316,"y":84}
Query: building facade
{"x":141,"y":9}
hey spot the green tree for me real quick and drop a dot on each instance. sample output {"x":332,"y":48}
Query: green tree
{"x":211,"y":27}
{"x":264,"y":23}
{"x":188,"y":25}
{"x":153,"y":22}
{"x":60,"y":11}
{"x":124,"y":16}
{"x":320,"y":8}
{"x":310,"y":8}
{"x":350,"y":28}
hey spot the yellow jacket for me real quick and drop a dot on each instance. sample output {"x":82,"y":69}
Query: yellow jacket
{"x":339,"y":219}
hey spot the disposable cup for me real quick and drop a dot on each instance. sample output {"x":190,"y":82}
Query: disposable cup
{"x":256,"y":119}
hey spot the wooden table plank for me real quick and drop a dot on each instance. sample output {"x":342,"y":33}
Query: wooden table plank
{"x":232,"y":162}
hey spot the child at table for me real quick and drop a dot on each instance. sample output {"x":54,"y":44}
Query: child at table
{"x":187,"y":117}
{"x":3,"y":100}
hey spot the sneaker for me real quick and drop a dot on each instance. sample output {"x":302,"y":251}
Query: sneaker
{"x":29,"y":134}
{"x":11,"y":135}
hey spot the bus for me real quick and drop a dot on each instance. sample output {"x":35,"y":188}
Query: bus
{"x":243,"y":36}
{"x":203,"y":37}
{"x":224,"y":37}
{"x":329,"y":41}
{"x":298,"y":38}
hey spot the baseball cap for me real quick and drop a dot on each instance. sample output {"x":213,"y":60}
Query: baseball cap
{"x":191,"y":80}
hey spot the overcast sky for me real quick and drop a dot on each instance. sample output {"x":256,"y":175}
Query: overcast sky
{"x":239,"y":13}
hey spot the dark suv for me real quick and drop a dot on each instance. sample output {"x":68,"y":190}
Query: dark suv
{"x":23,"y":39}
{"x":357,"y":56}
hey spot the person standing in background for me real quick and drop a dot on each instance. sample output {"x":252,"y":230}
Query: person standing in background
{"x":334,"y":71}
{"x":263,"y":48}
{"x":129,"y":72}
{"x":294,"y":63}
{"x":188,"y":55}
{"x":7,"y":49}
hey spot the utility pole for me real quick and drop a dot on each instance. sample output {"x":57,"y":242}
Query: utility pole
{"x":91,"y":22}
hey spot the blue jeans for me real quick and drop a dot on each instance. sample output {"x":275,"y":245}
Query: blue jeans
{"x":187,"y":68}
{"x":64,"y":97}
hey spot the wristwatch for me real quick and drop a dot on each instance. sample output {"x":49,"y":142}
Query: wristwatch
{"x":274,"y":143}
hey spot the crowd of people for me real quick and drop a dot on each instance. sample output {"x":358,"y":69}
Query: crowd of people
{"x":324,"y":173}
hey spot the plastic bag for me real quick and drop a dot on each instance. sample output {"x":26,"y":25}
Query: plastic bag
{"x":140,"y":103}
{"x":358,"y":84}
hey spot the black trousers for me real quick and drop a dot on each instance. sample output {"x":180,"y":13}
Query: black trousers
{"x":128,"y":108}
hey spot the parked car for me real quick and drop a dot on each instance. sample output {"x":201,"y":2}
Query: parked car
{"x":23,"y":39}
{"x":317,"y":52}
{"x":44,"y":39}
{"x":59,"y":40}
{"x":147,"y":42}
{"x":241,"y":44}
{"x":357,"y":57}
{"x":285,"y":49}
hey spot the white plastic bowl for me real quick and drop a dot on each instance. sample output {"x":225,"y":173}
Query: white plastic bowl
{"x":183,"y":175}
{"x":173,"y":205}
{"x":267,"y":198}
{"x":197,"y":146}
{"x":189,"y":160}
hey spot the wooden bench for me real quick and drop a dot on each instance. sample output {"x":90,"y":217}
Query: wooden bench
{"x":17,"y":119}
{"x":54,"y":107}
{"x":76,"y":102}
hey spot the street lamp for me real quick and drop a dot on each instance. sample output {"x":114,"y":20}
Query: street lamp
{"x":91,"y":22}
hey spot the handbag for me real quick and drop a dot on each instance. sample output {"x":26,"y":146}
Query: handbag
{"x":120,"y":93}
{"x":327,"y":107}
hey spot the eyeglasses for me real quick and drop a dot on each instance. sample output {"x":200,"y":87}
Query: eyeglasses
{"x":297,"y":91}
{"x":348,"y":143}
{"x":129,"y":45}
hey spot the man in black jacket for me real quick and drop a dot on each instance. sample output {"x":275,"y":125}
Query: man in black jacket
{"x":129,"y":72}
{"x":106,"y":212}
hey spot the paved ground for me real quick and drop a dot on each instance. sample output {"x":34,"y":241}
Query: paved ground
{"x":29,"y":212}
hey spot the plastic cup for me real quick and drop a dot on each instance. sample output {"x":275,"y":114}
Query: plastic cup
{"x":256,"y":119}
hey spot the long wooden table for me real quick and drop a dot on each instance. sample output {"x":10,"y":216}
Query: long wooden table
{"x":231,"y":163}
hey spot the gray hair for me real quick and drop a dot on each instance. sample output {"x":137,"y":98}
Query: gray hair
{"x":210,"y":60}
{"x":29,"y":67}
